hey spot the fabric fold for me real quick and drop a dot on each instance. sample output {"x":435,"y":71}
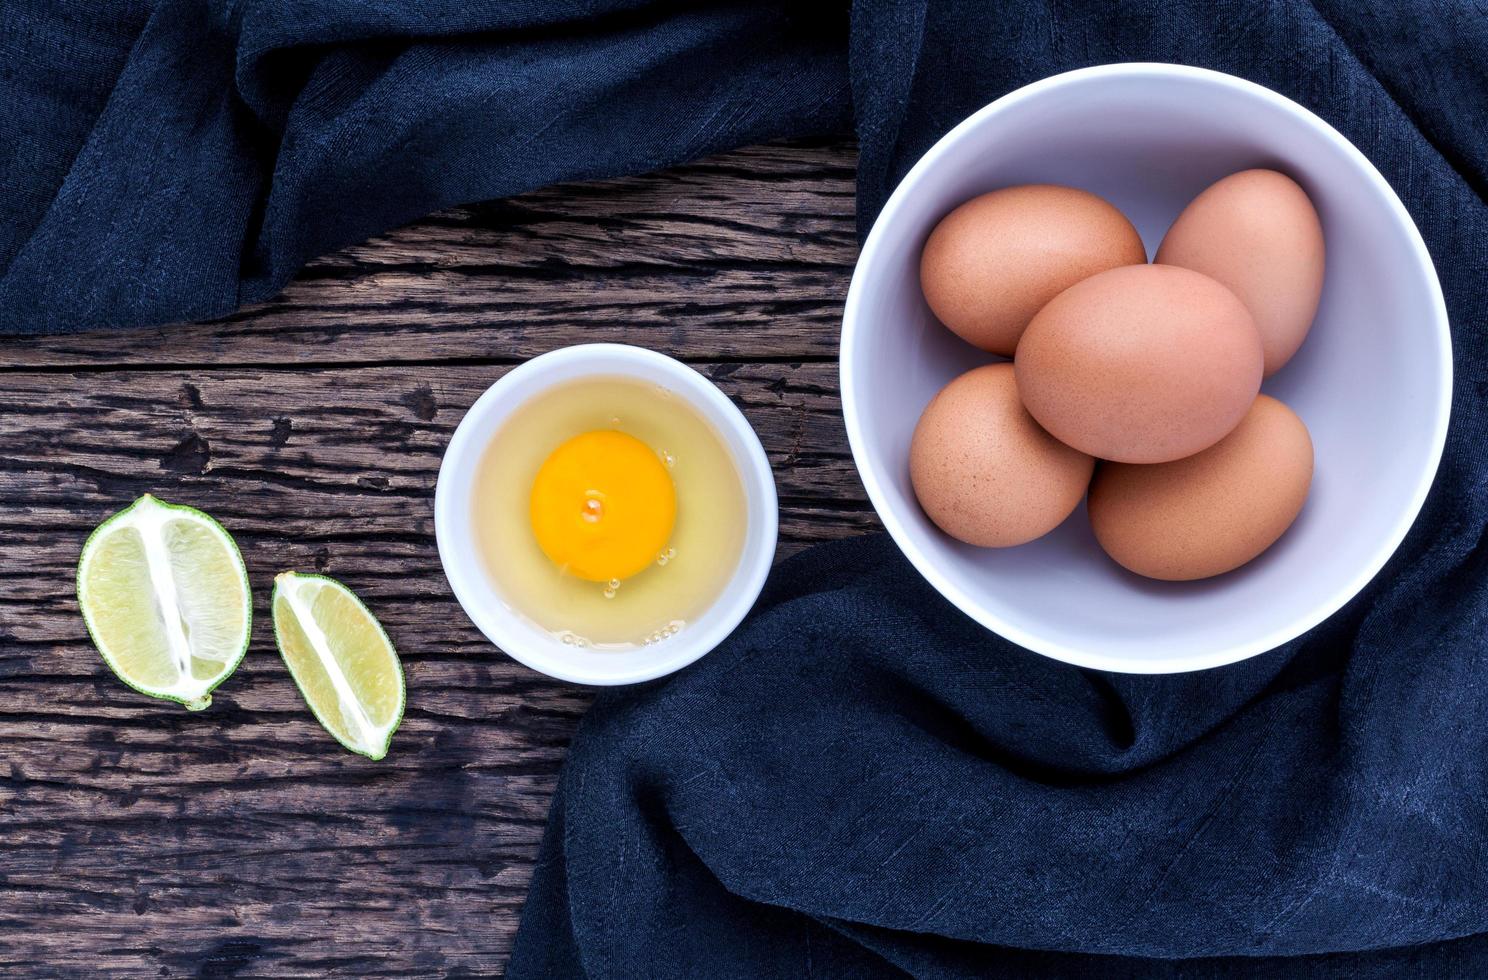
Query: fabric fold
{"x":239,"y":141}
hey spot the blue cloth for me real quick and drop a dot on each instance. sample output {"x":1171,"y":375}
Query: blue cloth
{"x":860,"y":782}
{"x":174,"y":160}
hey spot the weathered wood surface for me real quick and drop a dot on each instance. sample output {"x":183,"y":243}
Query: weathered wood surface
{"x":137,"y":839}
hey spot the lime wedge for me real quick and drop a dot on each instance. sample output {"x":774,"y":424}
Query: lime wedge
{"x":340,"y":658}
{"x":164,"y":594}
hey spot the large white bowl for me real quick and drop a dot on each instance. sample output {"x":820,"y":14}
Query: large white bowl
{"x":503,"y":623}
{"x":1373,"y":380}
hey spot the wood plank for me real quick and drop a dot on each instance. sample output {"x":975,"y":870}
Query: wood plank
{"x":742,"y":256}
{"x":137,"y":838}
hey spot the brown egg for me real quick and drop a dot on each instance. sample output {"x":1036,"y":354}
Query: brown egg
{"x":1141,"y":364}
{"x":993,"y":262}
{"x":1212,"y":512}
{"x":982,"y":468}
{"x":1256,"y":232}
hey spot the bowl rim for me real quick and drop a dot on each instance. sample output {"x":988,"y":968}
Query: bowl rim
{"x":453,"y":520}
{"x":854,"y":314}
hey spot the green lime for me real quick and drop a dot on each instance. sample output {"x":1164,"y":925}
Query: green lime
{"x":164,"y":594}
{"x":341,"y":659}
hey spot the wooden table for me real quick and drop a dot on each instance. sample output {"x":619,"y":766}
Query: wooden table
{"x":138,"y":839}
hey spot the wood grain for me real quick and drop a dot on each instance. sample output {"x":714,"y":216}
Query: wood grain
{"x":139,"y":840}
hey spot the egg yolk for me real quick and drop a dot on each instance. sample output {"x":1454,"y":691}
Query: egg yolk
{"x":603,"y":506}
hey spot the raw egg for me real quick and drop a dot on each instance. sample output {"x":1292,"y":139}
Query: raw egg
{"x":1212,"y":512}
{"x":1140,"y":364}
{"x":991,"y":263}
{"x":984,"y":471}
{"x":1257,"y":233}
{"x":602,"y":506}
{"x":609,"y":513}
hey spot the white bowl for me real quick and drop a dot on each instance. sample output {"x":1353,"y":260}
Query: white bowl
{"x":1373,"y":381}
{"x":522,"y":639}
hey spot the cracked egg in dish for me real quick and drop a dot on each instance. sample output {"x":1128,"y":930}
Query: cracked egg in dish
{"x":608,"y":513}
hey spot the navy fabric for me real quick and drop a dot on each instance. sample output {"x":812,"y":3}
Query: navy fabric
{"x":174,"y":161}
{"x":860,"y":782}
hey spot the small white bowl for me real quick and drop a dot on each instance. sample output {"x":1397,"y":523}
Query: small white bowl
{"x":523,"y":640}
{"x":1373,"y":381}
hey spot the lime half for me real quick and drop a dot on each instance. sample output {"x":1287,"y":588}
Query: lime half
{"x":341,"y":659}
{"x":165,"y":597}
